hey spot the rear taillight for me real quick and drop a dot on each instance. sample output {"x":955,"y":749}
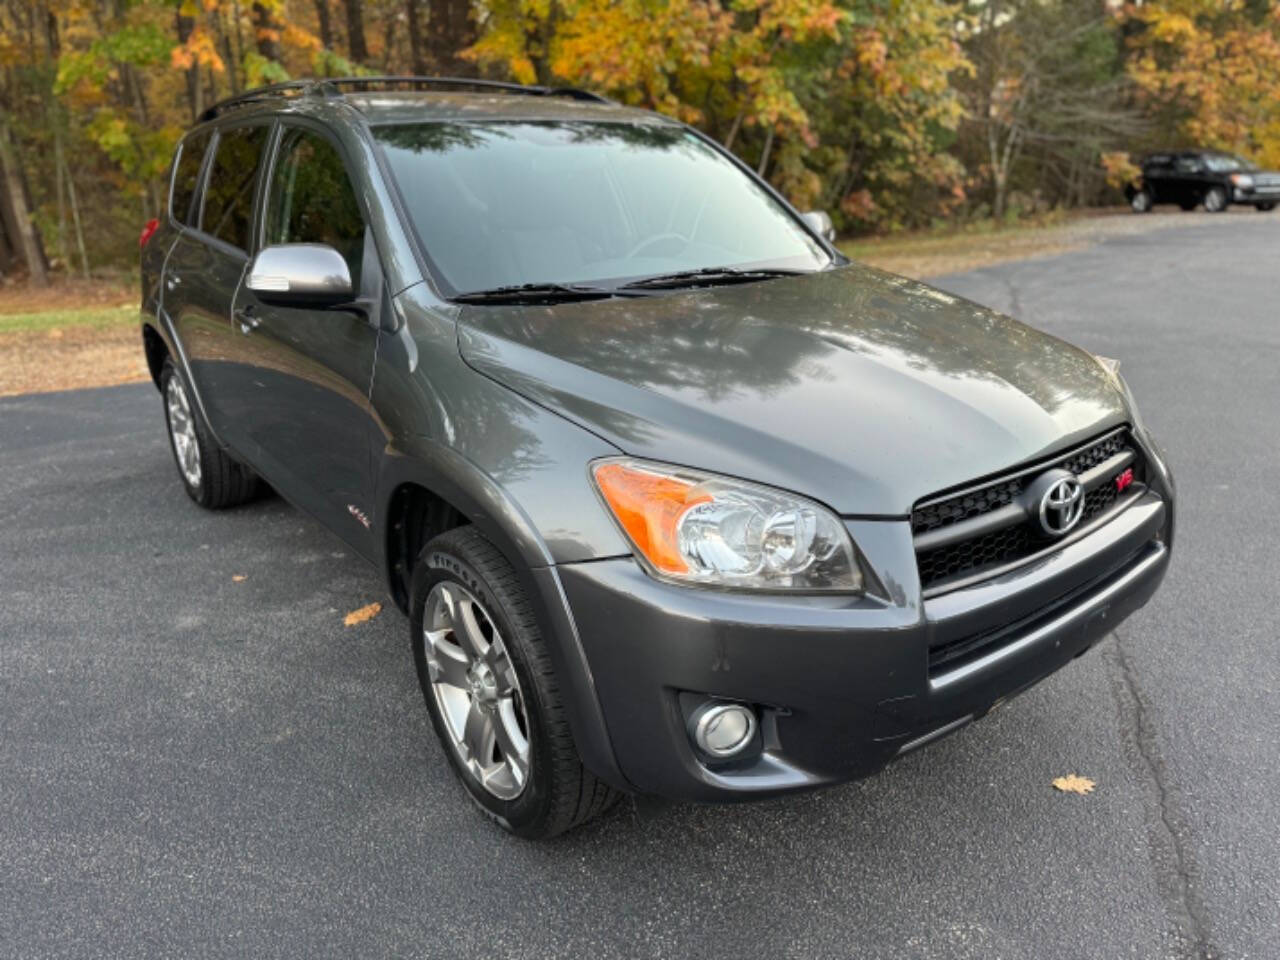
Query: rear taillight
{"x":149,"y":228}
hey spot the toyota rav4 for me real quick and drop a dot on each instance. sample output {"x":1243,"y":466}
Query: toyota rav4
{"x":677,"y":500}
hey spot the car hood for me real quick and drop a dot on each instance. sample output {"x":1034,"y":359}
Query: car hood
{"x":864,"y":390}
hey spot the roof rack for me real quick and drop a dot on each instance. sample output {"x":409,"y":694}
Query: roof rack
{"x":332,"y":87}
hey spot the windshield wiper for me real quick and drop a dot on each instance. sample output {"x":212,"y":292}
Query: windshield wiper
{"x":534,"y":293}
{"x":707,"y":276}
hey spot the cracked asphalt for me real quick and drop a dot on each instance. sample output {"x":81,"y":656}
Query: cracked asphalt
{"x":191,"y":766}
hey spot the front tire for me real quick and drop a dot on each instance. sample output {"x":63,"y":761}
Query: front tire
{"x":211,"y":478}
{"x":1215,"y":200}
{"x":1266,"y":207}
{"x":494,"y":700}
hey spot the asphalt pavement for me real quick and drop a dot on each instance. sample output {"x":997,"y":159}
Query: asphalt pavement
{"x":196,"y":766}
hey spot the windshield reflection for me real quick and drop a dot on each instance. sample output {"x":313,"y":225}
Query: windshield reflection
{"x":502,"y":203}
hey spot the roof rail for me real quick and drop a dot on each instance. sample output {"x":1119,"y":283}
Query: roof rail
{"x":356,"y":84}
{"x":257,"y":95}
{"x":336,"y":86}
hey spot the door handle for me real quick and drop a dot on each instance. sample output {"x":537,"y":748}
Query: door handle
{"x":247,"y":320}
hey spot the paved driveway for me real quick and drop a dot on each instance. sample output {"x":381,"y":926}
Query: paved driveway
{"x":193,"y":766}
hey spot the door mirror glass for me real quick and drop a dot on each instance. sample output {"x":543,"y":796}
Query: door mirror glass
{"x":820,"y":222}
{"x":300,"y":274}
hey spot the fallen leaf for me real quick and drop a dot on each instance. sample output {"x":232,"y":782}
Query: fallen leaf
{"x":1074,"y":783}
{"x":363,"y":614}
{"x":238,"y":578}
{"x":56,"y":334}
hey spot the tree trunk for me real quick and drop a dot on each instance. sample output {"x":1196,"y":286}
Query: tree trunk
{"x":326,"y":25}
{"x":266,"y":31}
{"x":450,"y":30}
{"x":15,"y":195}
{"x":75,"y":219}
{"x":357,"y":49}
{"x":184,"y":27}
{"x":768,"y":148}
{"x":417,"y":54}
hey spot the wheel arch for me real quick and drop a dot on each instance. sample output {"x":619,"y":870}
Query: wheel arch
{"x":155,"y":349}
{"x":428,"y":489}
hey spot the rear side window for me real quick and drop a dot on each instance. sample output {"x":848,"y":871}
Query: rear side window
{"x":186,"y":175}
{"x":311,"y":200}
{"x":228,"y":198}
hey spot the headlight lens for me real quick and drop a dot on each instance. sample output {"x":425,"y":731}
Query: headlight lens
{"x":1242,"y":179}
{"x":698,"y":528}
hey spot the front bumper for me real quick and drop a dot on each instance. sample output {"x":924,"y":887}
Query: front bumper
{"x":1255,"y":195}
{"x":843,"y":685}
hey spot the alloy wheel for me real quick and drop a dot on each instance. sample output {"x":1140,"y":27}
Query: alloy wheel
{"x":1214,"y":200}
{"x":182,"y":430}
{"x":476,"y":690}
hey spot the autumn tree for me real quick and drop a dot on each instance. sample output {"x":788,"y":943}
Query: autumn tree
{"x":1048,"y":82}
{"x":1209,"y":71}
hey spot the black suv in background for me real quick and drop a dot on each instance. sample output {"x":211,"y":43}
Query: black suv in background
{"x":1192,"y":177}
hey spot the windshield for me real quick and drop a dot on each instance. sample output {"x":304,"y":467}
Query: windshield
{"x":1224,"y":162}
{"x":504,"y":203}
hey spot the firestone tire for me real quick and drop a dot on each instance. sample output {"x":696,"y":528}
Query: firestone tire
{"x":462,"y":572}
{"x":209,"y":475}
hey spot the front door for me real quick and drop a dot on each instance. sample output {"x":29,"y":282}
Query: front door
{"x":305,"y":400}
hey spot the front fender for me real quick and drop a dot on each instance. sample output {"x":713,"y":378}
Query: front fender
{"x":488,"y":506}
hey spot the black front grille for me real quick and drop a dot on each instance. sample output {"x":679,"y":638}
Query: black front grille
{"x":990,"y":550}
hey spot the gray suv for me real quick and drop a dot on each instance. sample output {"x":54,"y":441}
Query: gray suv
{"x":676,"y":499}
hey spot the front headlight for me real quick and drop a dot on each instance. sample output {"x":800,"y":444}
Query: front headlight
{"x":697,"y":528}
{"x":1242,"y":180}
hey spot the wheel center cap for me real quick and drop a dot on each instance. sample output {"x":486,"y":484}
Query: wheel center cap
{"x":482,"y":683}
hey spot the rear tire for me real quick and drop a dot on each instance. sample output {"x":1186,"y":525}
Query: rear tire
{"x":211,"y":478}
{"x":484,"y":667}
{"x":1266,"y":207}
{"x":1141,"y":201}
{"x":1215,"y":200}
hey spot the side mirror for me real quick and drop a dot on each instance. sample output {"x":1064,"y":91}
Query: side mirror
{"x":300,"y":275}
{"x":820,"y":222}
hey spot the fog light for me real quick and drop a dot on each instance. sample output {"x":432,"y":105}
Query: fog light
{"x":723,"y":729}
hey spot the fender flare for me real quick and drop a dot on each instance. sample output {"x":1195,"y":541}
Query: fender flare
{"x":485,"y":504}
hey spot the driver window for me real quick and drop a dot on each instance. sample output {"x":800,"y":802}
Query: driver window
{"x":311,"y":200}
{"x":1189,"y":165}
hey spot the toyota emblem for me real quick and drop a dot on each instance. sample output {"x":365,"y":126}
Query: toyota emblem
{"x":1061,"y":506}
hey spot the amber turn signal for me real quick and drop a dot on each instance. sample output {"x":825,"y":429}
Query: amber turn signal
{"x":649,"y":506}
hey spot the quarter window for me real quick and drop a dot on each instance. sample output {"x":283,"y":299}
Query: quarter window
{"x":228,"y":199}
{"x":186,"y":175}
{"x":311,"y":199}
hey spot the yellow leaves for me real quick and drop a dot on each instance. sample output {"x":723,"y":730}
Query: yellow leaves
{"x":1074,"y":783}
{"x":1120,"y":168}
{"x":199,"y":49}
{"x":299,"y":39}
{"x":1214,"y":65}
{"x":363,"y":614}
{"x":238,"y":578}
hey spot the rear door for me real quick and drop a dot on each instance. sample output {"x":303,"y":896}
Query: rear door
{"x":207,"y":264}
{"x":1192,"y":177}
{"x":1157,"y":177}
{"x":305,"y":393}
